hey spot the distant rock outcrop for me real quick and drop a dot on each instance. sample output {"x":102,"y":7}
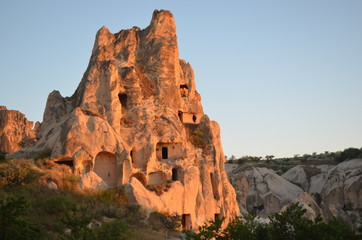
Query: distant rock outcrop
{"x":15,"y":131}
{"x":136,"y":119}
{"x":328,"y":190}
{"x":339,"y":190}
{"x":297,"y":176}
{"x":263,"y":191}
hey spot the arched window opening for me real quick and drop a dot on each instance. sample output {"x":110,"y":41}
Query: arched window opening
{"x":105,"y":166}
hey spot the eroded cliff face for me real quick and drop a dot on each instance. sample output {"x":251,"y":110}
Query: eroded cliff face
{"x":15,"y":130}
{"x":136,"y":119}
{"x":326,"y":190}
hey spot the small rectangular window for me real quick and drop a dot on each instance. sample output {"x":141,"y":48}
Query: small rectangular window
{"x":164,"y":152}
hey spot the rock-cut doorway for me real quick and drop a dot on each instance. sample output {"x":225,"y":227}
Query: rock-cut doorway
{"x":105,"y":166}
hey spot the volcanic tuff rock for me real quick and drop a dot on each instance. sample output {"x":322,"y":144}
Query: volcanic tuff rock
{"x":297,"y":176}
{"x":262,"y":190}
{"x":15,"y":130}
{"x":136,"y":119}
{"x":339,"y":190}
{"x":328,"y":190}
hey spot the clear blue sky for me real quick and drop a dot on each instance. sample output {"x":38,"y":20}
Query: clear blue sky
{"x":280,"y":77}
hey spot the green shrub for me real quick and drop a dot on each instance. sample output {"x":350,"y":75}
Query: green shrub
{"x":289,"y":225}
{"x":59,"y":204}
{"x":2,"y":156}
{"x":133,"y":208}
{"x":70,"y":182}
{"x":115,"y":229}
{"x":348,"y":154}
{"x":17,"y":172}
{"x":14,"y":223}
{"x":197,"y":139}
{"x":211,"y":230}
{"x":169,"y":221}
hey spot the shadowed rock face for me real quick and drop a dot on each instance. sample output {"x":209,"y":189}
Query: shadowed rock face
{"x":136,"y":119}
{"x":15,"y":130}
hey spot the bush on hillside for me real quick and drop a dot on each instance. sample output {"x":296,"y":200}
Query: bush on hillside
{"x":288,"y":225}
{"x":17,"y":172}
{"x":348,"y":154}
{"x":14,"y":222}
{"x":2,"y":156}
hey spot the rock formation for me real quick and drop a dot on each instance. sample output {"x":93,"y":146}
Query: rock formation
{"x":136,"y":119}
{"x":263,"y":191}
{"x":15,"y":130}
{"x":339,"y":191}
{"x":328,"y":190}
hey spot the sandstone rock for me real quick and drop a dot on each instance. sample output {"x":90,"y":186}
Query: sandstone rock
{"x":91,"y":181}
{"x":14,"y":130}
{"x":136,"y":119}
{"x":341,"y":195}
{"x":297,"y":176}
{"x":265,"y":191}
{"x":52,"y":185}
{"x":307,"y":202}
{"x":334,"y":192}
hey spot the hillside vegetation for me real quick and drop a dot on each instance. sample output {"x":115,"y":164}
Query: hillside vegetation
{"x":288,"y":225}
{"x":281,"y":165}
{"x":40,"y":200}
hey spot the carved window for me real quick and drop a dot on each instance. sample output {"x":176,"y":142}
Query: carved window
{"x":164,"y":152}
{"x":194,"y":118}
{"x":175,"y":176}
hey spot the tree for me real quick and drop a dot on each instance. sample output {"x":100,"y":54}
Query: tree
{"x":13,"y":220}
{"x":288,"y":225}
{"x":348,"y":154}
{"x":2,"y":155}
{"x":269,"y":157}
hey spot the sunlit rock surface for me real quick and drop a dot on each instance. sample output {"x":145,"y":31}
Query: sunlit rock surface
{"x":15,"y":130}
{"x":136,"y":119}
